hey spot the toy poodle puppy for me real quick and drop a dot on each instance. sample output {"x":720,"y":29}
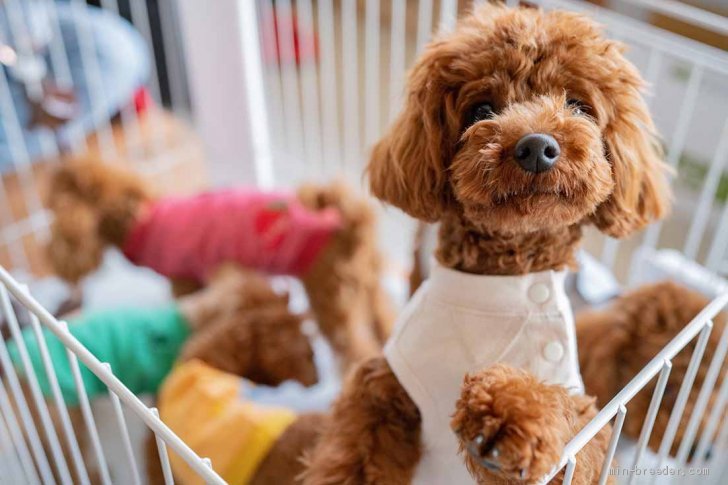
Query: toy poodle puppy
{"x":325,"y":235}
{"x":251,"y":332}
{"x":519,"y":128}
{"x":264,"y":347}
{"x":617,"y":342}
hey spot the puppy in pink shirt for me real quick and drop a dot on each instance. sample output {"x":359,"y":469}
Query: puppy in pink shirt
{"x":186,"y":237}
{"x":324,"y":235}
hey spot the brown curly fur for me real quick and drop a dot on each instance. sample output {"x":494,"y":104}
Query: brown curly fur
{"x":617,"y":342}
{"x":462,"y":247}
{"x":97,"y":204}
{"x":373,"y":433}
{"x":249,"y":331}
{"x":524,"y":62}
{"x":496,"y":218}
{"x":343,"y":285}
{"x":522,"y":426}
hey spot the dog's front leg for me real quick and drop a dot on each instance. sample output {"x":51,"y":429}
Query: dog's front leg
{"x":513,"y":428}
{"x":373,"y":436}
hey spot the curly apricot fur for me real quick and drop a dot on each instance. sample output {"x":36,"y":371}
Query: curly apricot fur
{"x":617,"y":342}
{"x":528,"y":423}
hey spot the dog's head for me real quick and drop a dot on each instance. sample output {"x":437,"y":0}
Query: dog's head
{"x":522,"y":120}
{"x":283,"y":349}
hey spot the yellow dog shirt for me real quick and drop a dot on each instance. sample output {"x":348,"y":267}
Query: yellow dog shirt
{"x":205,"y":408}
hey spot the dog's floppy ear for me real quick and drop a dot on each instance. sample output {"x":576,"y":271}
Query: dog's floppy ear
{"x":641,"y":193}
{"x":408,"y":165}
{"x":74,"y":249}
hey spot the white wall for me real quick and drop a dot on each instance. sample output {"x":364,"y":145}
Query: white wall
{"x":223,"y":62}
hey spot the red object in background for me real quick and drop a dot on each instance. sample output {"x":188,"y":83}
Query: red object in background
{"x":305,"y":44}
{"x":187,"y":237}
{"x":142,"y":100}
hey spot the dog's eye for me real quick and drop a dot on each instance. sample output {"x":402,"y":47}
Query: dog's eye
{"x":480,"y":112}
{"x":576,"y":106}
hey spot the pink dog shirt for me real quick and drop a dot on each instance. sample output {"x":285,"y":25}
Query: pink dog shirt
{"x":271,"y":232}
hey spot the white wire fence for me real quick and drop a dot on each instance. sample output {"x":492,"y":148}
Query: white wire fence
{"x":704,"y":444}
{"x":34,"y":447}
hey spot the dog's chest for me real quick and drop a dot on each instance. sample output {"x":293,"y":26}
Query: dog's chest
{"x":459,"y":323}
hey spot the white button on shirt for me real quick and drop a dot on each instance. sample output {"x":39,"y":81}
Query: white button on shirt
{"x":458,"y":323}
{"x":539,"y":293}
{"x":553,"y":351}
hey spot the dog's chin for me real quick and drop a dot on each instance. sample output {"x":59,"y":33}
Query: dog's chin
{"x":521,"y":213}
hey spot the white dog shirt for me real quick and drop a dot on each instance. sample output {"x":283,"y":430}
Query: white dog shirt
{"x":458,"y":323}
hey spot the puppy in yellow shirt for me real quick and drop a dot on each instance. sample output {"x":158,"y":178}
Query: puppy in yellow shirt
{"x":206,"y":407}
{"x":203,"y":399}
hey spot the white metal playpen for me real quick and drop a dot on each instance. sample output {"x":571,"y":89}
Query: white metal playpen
{"x":286,"y":90}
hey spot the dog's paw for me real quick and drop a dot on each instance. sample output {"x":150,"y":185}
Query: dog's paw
{"x":511,"y":427}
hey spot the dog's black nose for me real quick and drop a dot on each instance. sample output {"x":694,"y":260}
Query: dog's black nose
{"x":537,"y":152}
